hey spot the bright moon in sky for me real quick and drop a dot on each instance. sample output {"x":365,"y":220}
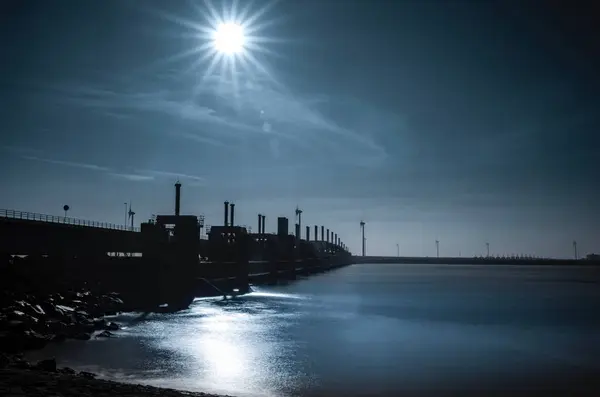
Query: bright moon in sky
{"x":229,"y":38}
{"x":227,"y":41}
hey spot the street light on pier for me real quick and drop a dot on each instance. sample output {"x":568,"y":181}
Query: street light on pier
{"x":397,"y":249}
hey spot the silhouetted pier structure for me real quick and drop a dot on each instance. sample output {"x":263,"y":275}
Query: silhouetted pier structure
{"x":172,"y":263}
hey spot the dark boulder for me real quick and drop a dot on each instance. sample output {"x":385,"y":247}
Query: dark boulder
{"x":112,"y":327}
{"x":67,"y":371}
{"x":100,"y":323}
{"x":105,"y":334}
{"x":87,"y":375}
{"x":47,"y":365}
{"x":87,"y":325}
{"x":21,"y":364}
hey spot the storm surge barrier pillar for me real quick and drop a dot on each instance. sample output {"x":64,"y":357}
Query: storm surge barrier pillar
{"x":229,"y":254}
{"x":287,"y":252}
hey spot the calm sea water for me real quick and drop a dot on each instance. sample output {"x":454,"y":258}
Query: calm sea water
{"x":365,"y":329}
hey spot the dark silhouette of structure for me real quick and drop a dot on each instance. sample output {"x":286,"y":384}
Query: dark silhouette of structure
{"x":166,"y":260}
{"x":362,"y":229}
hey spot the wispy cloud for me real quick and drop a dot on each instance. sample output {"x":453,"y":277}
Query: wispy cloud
{"x":174,"y":104}
{"x":88,"y":166}
{"x":166,"y":174}
{"x":136,"y":176}
{"x":276,"y":106}
{"x":157,"y":175}
{"x":133,"y":177}
{"x":243,"y":108}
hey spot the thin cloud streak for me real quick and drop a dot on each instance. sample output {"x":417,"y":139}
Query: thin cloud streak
{"x":137,"y":176}
{"x":167,"y":174}
{"x":133,"y":177}
{"x":176,"y":105}
{"x":92,"y":167}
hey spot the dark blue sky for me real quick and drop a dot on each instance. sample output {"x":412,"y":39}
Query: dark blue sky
{"x":466,"y":121}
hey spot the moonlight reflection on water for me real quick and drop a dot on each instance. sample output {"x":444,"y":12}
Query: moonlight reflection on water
{"x":366,"y":329}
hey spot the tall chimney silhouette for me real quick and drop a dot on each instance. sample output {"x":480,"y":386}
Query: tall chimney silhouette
{"x":316,"y":233}
{"x":307,"y":233}
{"x":322,"y":233}
{"x":263,"y":223}
{"x":226,"y":220}
{"x":232,"y":206}
{"x":327,"y":235}
{"x":259,"y":224}
{"x":177,"y":197}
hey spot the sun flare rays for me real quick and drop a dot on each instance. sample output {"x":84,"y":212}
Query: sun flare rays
{"x":227,"y":40}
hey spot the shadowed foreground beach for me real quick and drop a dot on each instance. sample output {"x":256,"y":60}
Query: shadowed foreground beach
{"x":20,"y":382}
{"x":28,"y":383}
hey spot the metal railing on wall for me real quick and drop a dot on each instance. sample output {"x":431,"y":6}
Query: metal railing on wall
{"x":32,"y":216}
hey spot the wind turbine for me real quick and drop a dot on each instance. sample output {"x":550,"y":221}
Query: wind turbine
{"x":298,"y":223}
{"x":362,"y":228}
{"x":131,"y":215}
{"x":299,"y":215}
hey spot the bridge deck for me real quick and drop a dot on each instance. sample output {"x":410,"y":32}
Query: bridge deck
{"x":25,"y":233}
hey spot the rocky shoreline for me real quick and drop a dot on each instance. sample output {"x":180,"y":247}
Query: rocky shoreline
{"x":39,"y":305}
{"x":30,"y":321}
